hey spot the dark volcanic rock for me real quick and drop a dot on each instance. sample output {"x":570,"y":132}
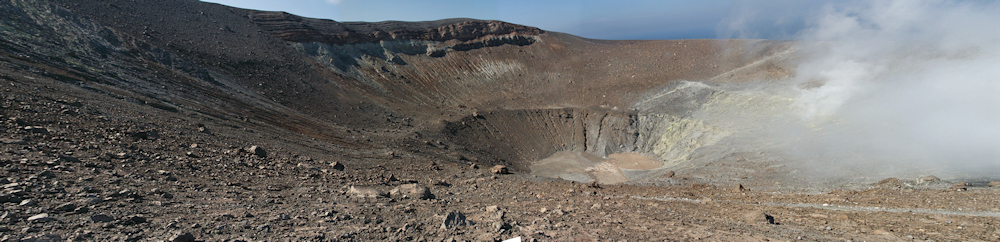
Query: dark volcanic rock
{"x":182,"y":237}
{"x":65,"y":207}
{"x":337,"y":166}
{"x":101,"y":218}
{"x":258,"y":151}
{"x":455,"y":219}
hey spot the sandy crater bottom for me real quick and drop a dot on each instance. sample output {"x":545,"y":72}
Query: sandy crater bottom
{"x":585,"y":167}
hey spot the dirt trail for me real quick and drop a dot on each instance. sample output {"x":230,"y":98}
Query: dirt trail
{"x":956,"y":212}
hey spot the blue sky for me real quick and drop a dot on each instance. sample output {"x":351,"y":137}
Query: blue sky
{"x":643,"y":19}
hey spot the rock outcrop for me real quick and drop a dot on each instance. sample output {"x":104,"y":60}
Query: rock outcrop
{"x":293,"y":28}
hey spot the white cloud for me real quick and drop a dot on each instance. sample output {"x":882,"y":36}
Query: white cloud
{"x":334,"y":2}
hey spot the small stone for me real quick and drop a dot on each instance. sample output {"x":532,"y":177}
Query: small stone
{"x":365,"y":192}
{"x":492,"y":208}
{"x":182,"y":237}
{"x":306,"y":166}
{"x":474,"y":166}
{"x":411,"y":191}
{"x":101,"y":218}
{"x":440,"y":183}
{"x":758,"y":217}
{"x":16,"y":193}
{"x":891,"y":182}
{"x":337,"y":166}
{"x":283,"y":216}
{"x":36,"y":129}
{"x":71,"y":159}
{"x":499,"y":169}
{"x":123,"y":193}
{"x":121,"y":155}
{"x":13,"y":141}
{"x":993,"y":184}
{"x":225,"y":217}
{"x":928,"y":179}
{"x":741,"y":188}
{"x":133,"y":219}
{"x":41,"y":218}
{"x":91,"y":201}
{"x":28,"y":202}
{"x":961,"y":186}
{"x":543,"y":210}
{"x":80,"y":210}
{"x":150,"y":135}
{"x":669,"y":174}
{"x":45,"y":174}
{"x":454,"y":219}
{"x":258,"y":151}
{"x":43,"y":238}
{"x":65,"y":207}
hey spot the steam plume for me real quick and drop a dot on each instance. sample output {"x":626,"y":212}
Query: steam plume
{"x":900,"y":87}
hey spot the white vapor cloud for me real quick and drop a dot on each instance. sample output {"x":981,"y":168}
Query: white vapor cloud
{"x":334,"y":2}
{"x":899,"y":88}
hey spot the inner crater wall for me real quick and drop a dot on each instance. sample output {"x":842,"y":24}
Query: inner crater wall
{"x":520,"y":137}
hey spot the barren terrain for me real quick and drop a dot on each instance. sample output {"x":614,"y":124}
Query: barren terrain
{"x":126,"y":120}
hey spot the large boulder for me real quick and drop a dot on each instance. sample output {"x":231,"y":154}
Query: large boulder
{"x":411,"y":191}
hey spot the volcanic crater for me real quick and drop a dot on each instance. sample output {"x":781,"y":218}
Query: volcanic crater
{"x":162,"y":112}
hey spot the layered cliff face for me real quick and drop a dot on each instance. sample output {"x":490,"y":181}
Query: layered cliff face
{"x":293,"y":28}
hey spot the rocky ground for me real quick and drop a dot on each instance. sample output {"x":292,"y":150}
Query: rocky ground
{"x":83,"y":167}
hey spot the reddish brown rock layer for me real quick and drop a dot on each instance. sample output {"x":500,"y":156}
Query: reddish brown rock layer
{"x":293,"y":28}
